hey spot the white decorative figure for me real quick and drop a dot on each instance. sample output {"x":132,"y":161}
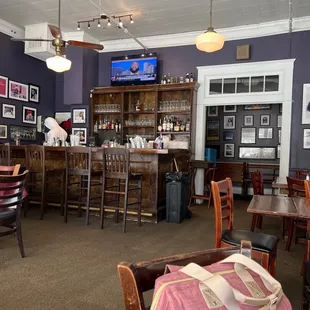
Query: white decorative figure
{"x":55,"y":133}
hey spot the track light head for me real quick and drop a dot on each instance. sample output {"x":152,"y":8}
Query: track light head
{"x":131,"y":20}
{"x":98,"y":25}
{"x":78,"y":26}
{"x":88,"y":26}
{"x":120,"y":23}
{"x":109,"y":22}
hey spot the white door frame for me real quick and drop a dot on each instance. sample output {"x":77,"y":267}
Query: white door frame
{"x":283,"y":68}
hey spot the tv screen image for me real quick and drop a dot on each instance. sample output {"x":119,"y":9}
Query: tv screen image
{"x":134,"y":71}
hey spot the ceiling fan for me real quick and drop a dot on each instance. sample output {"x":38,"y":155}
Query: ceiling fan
{"x":59,"y":62}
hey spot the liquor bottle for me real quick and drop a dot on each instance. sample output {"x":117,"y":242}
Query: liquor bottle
{"x":164,"y":124}
{"x":191,"y":79}
{"x":160,"y":141}
{"x":162,"y":80}
{"x":100,"y":125}
{"x":116,"y":126}
{"x":168,"y":78}
{"x":187,"y":78}
{"x":165,"y":80}
{"x":160,"y":127}
{"x":168,"y":124}
{"x":138,"y":106}
{"x":96,"y":127}
{"x":176,"y":126}
{"x":187,"y":125}
{"x":119,"y":127}
{"x":182,"y":127}
{"x":113,"y":124}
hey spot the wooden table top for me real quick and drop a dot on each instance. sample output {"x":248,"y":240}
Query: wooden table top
{"x":302,"y":206}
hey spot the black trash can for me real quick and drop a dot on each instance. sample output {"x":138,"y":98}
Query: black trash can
{"x":177,"y":190}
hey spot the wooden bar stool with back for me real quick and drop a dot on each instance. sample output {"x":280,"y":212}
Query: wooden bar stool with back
{"x":5,"y":155}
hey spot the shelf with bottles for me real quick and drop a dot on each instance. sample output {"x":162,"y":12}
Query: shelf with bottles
{"x":135,"y":102}
{"x":108,"y":123}
{"x":139,"y":112}
{"x":173,"y":124}
{"x":173,"y":133}
{"x":169,"y":79}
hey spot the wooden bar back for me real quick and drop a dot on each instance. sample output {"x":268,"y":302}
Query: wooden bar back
{"x":5,"y":154}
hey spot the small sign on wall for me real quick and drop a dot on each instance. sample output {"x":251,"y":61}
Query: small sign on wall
{"x":243,"y":52}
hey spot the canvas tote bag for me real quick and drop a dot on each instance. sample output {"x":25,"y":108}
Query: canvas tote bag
{"x":234,"y":283}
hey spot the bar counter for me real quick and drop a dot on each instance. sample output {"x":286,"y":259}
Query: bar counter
{"x":152,"y":163}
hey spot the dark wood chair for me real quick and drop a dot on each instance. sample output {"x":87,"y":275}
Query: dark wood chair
{"x":296,"y":187}
{"x":5,"y":155}
{"x":209,"y":172}
{"x":40,"y":179}
{"x":138,"y":278}
{"x":264,"y":246}
{"x":302,"y":174}
{"x":80,"y":179}
{"x":116,"y":183}
{"x":11,"y":198}
{"x":258,"y":189}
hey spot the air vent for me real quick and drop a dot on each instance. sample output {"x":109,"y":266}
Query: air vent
{"x":34,"y":44}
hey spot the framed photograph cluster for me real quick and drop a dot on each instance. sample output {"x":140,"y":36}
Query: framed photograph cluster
{"x":248,"y":135}
{"x":229,"y":150}
{"x":23,"y":132}
{"x":79,"y":116}
{"x":8,"y":111}
{"x":265,"y":133}
{"x":229,"y":122}
{"x":257,"y":152}
{"x":265,"y":120}
{"x":248,"y":120}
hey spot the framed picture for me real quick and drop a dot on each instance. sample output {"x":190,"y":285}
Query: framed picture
{"x":257,"y":152}
{"x":230,"y":108}
{"x":229,"y":150}
{"x":279,"y":121}
{"x":279,"y":133}
{"x":306,"y":138}
{"x":24,"y":133}
{"x":248,"y":135}
{"x":34,"y":93}
{"x":248,"y":120}
{"x":212,"y":111}
{"x":265,"y":120}
{"x":229,"y":122}
{"x":29,"y":115}
{"x":79,"y":116}
{"x":18,"y":91}
{"x":265,"y":133}
{"x":279,"y":151}
{"x":213,"y":130}
{"x":3,"y":131}
{"x":8,"y":110}
{"x":4,"y":86}
{"x":257,"y":107}
{"x":306,"y":104}
{"x":82,"y":133}
{"x":228,"y":135}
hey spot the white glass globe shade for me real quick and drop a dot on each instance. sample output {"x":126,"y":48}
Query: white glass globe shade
{"x":58,"y":63}
{"x":210,"y":41}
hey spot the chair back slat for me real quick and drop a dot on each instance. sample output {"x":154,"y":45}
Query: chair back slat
{"x":78,"y":160}
{"x":11,"y":190}
{"x":296,"y":187}
{"x":116,"y":163}
{"x":35,"y":158}
{"x":9,"y":170}
{"x":302,"y":174}
{"x":307,"y":188}
{"x":257,"y":182}
{"x":222,"y":194}
{"x":5,"y":154}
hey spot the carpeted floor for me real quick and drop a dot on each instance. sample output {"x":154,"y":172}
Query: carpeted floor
{"x":71,"y":266}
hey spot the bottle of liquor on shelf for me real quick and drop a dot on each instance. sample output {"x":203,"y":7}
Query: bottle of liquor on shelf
{"x":187,"y":125}
{"x":191,"y":78}
{"x":160,"y":141}
{"x":160,"y":127}
{"x":182,"y":127}
{"x":116,"y":126}
{"x":113,"y":124}
{"x":168,"y":124}
{"x":164,"y":124}
{"x":162,"y":80}
{"x":100,"y":125}
{"x":176,"y":126}
{"x":119,"y":126}
{"x":138,"y":107}
{"x":168,"y":78}
{"x":96,"y":127}
{"x":187,"y":78}
{"x":165,"y":79}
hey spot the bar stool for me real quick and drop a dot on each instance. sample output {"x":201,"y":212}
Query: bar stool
{"x":116,"y":174}
{"x":5,"y":155}
{"x":79,"y":166}
{"x":209,"y":173}
{"x":39,"y":177}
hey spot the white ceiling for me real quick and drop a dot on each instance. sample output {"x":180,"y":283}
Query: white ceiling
{"x":152,"y":17}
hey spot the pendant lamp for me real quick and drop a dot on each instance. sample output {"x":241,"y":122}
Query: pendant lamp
{"x":210,"y":41}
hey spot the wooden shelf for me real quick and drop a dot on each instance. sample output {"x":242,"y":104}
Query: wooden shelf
{"x":136,"y":126}
{"x":175,"y":112}
{"x":174,"y":132}
{"x":107,"y":113}
{"x":141,"y":112}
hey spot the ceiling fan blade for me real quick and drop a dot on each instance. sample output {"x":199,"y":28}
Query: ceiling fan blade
{"x":38,"y":40}
{"x":55,"y":31}
{"x":85,"y":44}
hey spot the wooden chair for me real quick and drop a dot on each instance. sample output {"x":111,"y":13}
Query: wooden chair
{"x":302,"y":174}
{"x":296,"y":187}
{"x":80,"y":179}
{"x":9,"y":170}
{"x":5,"y":154}
{"x":264,"y":246}
{"x":140,"y":277}
{"x":40,"y":176}
{"x":11,"y":198}
{"x":116,"y":175}
{"x":258,"y":189}
{"x":307,"y":189}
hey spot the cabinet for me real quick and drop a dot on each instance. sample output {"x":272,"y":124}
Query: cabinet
{"x":140,"y":109}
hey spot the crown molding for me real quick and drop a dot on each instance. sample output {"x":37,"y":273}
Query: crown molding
{"x":188,"y":38}
{"x":11,"y":30}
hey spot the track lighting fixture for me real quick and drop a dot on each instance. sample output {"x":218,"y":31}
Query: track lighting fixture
{"x":78,"y":27}
{"x":131,"y":20}
{"x":120,"y":23}
{"x":88,"y":25}
{"x":98,"y":25}
{"x":109,"y":22}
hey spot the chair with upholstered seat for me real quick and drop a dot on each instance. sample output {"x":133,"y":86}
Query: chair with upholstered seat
{"x":264,"y":245}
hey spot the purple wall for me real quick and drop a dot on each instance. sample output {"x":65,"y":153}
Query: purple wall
{"x":19,"y":67}
{"x":179,"y":60}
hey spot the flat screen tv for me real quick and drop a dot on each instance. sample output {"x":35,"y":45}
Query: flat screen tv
{"x":134,"y":70}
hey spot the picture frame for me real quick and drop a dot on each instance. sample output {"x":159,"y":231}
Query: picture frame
{"x":34,"y":93}
{"x":3,"y":131}
{"x":243,"y":52}
{"x":228,"y":135}
{"x":229,"y":150}
{"x":230,"y":109}
{"x":248,"y":135}
{"x":306,"y":142}
{"x":213,"y":130}
{"x":306,"y":104}
{"x":279,"y":151}
{"x":248,"y":120}
{"x":25,"y":133}
{"x":279,"y":121}
{"x":257,"y":107}
{"x":8,"y":111}
{"x":18,"y":91}
{"x":229,"y":121}
{"x":29,"y":115}
{"x":246,"y":152}
{"x":265,"y":120}
{"x":265,"y":133}
{"x":212,"y":111}
{"x":79,"y":116}
{"x":4,"y":83}
{"x":82,"y":133}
